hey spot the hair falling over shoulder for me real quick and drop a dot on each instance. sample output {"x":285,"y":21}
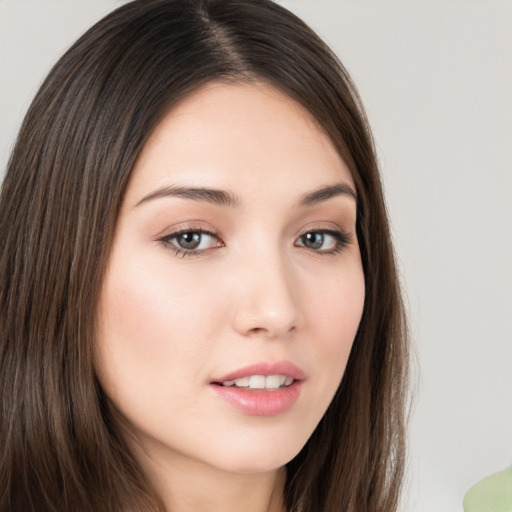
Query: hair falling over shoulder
{"x":64,"y":447}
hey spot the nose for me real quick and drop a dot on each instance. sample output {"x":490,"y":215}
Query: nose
{"x":266,"y":302}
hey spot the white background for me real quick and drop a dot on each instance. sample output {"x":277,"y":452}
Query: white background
{"x":436,"y":79}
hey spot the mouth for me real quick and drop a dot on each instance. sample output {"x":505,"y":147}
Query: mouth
{"x":259,"y":382}
{"x":261,"y":389}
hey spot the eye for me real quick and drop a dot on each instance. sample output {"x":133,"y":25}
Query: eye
{"x":324,"y":241}
{"x":191,"y":242}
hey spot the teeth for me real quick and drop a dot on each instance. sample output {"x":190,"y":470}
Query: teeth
{"x":272,"y":382}
{"x":243,"y":382}
{"x":257,"y":382}
{"x":260,"y":382}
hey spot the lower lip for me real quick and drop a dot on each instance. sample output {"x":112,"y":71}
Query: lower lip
{"x":260,"y":402}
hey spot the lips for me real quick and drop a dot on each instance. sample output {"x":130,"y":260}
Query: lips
{"x":266,"y":369}
{"x":261,"y":389}
{"x":269,"y":382}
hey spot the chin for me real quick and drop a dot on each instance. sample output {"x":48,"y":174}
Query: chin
{"x":260,"y":457}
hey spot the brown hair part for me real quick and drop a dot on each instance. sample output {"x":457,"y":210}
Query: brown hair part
{"x":81,"y":137}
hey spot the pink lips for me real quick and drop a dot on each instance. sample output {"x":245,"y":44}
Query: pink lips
{"x":261,"y":402}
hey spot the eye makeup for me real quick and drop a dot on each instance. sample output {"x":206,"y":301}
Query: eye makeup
{"x":194,"y":241}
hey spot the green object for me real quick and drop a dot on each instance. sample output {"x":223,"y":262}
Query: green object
{"x":493,"y":494}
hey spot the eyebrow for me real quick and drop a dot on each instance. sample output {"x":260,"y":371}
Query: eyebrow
{"x":325,"y":193}
{"x":202,"y":194}
{"x":224,"y":198}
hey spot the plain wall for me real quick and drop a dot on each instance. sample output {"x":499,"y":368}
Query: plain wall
{"x":436,"y":79}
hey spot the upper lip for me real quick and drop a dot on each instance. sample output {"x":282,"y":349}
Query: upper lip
{"x":264,"y":368}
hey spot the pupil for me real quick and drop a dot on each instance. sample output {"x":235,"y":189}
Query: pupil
{"x":189,"y":240}
{"x":314,"y":240}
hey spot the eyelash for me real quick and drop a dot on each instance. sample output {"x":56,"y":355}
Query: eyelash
{"x":341,"y":239}
{"x":178,"y":251}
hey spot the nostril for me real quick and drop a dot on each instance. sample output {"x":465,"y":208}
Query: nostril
{"x":258,"y":330}
{"x":271,"y":333}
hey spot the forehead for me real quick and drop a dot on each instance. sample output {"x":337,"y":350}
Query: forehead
{"x":241,"y":136}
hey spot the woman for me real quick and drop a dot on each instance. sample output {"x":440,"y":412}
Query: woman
{"x":200,"y":307}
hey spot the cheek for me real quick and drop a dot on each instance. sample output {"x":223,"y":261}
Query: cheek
{"x":152,"y":327}
{"x":334,"y":314}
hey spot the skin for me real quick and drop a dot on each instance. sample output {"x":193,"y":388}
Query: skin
{"x":254,"y":291}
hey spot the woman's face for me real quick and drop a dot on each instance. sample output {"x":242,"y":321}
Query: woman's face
{"x":235,"y":287}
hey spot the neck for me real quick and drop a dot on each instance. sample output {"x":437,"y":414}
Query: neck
{"x":185,"y":485}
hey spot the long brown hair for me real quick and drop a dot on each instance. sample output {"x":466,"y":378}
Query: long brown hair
{"x":63,"y":449}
